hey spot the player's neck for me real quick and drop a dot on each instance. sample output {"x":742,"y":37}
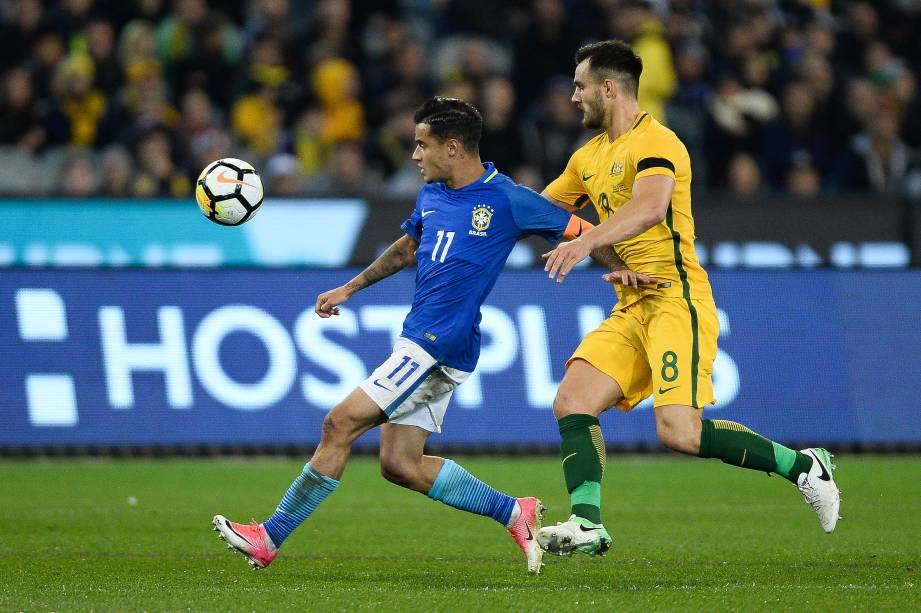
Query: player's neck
{"x":467,"y":171}
{"x":622,"y":119}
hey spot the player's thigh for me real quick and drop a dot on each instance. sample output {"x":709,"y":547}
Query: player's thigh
{"x":681,"y":346}
{"x":399,"y":376}
{"x":427,"y":405}
{"x":356,"y":414}
{"x":608,"y":368}
{"x":585,"y":389}
{"x":412,"y":388}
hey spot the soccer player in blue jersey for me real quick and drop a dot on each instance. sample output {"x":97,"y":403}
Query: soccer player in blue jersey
{"x":467,"y":219}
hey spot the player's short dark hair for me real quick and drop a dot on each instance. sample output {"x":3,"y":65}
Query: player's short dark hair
{"x":614,"y":57}
{"x":452,"y":118}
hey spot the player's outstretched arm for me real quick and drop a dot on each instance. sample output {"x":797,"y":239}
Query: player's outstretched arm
{"x":399,"y":255}
{"x":618,"y":272}
{"x":647,"y":207}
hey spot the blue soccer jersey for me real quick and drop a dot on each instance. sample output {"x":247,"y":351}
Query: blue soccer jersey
{"x":465,"y":235}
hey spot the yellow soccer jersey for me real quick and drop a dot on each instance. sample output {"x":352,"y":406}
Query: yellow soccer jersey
{"x":604,"y":172}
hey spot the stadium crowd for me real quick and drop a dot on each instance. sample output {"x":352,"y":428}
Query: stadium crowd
{"x":131,"y":98}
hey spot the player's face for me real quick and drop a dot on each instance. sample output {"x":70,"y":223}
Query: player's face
{"x":430,"y":154}
{"x":587,"y":97}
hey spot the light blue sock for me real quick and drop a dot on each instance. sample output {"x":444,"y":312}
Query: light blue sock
{"x":302,"y":498}
{"x":455,"y":487}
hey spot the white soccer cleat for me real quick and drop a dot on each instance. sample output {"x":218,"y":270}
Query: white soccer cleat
{"x":819,"y":488}
{"x":575,"y":534}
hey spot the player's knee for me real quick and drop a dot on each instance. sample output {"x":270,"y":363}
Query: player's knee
{"x":398,"y":471}
{"x":678,"y":436}
{"x":336,"y":426}
{"x":566,"y":403}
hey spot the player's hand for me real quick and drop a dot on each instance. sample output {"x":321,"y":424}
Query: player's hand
{"x":627,"y":277}
{"x":328,"y":302}
{"x":562,"y":259}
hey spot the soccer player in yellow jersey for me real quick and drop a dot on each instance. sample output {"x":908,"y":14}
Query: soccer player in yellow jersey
{"x":661,"y":337}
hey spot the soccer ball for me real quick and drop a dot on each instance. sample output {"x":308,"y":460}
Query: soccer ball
{"x":229,"y":192}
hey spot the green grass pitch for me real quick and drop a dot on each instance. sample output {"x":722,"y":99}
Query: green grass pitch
{"x":125,"y":535}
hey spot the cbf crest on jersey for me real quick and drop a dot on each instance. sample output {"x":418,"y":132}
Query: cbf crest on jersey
{"x":482,"y":216}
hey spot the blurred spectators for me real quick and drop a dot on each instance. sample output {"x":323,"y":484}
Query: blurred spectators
{"x":337,"y":85}
{"x":553,"y":130}
{"x":803,"y":180}
{"x":744,"y":176}
{"x":737,"y":117}
{"x":21,"y":30}
{"x":637,"y":23}
{"x":792,"y":97}
{"x":347,"y":175}
{"x":157,"y":173}
{"x":78,"y":176}
{"x":796,"y":134}
{"x":200,"y":48}
{"x":501,"y":140}
{"x":99,"y":40}
{"x":20,"y":123}
{"x":257,"y":120}
{"x":877,"y":159}
{"x":687,"y":111}
{"x":544,"y":50}
{"x":310,"y":142}
{"x":283,"y":176}
{"x":79,"y":108}
{"x":117,"y":172}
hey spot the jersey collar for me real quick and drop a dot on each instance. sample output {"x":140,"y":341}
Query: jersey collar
{"x":636,"y":124}
{"x":489,"y":173}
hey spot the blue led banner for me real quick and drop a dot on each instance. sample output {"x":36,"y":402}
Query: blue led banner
{"x":173,"y":233}
{"x":338,"y":232}
{"x":238,"y":356}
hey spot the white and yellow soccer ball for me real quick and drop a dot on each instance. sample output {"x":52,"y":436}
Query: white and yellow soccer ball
{"x":229,"y":192}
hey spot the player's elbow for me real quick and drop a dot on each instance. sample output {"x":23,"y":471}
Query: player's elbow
{"x":656,"y":212}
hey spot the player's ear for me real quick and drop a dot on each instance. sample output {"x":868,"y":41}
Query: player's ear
{"x":611,"y":88}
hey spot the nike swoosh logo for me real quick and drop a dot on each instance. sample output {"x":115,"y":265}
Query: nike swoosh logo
{"x":668,"y":389}
{"x":584,"y":178}
{"x":584,"y":529}
{"x":223,"y":178}
{"x":383,"y":386}
{"x":229,"y":527}
{"x":824,"y":476}
{"x":530,"y":536}
{"x":569,"y":456}
{"x":424,"y":213}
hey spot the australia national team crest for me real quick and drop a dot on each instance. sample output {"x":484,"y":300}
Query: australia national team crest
{"x":482,"y":216}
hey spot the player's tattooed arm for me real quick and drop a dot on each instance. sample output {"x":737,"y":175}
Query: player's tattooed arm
{"x":619,"y":273}
{"x":399,"y":255}
{"x":607,"y":257}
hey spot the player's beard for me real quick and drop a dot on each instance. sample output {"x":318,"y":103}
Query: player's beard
{"x":591,"y":116}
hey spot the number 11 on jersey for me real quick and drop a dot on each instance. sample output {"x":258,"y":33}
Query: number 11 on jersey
{"x":444,"y":252}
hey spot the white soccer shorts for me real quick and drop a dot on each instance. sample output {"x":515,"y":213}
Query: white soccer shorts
{"x":412,"y":388}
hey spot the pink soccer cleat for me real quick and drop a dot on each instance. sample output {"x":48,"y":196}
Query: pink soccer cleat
{"x":252,"y":541}
{"x":524,"y":531}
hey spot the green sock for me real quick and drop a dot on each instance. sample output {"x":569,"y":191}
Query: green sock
{"x":737,"y":445}
{"x":583,"y":453}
